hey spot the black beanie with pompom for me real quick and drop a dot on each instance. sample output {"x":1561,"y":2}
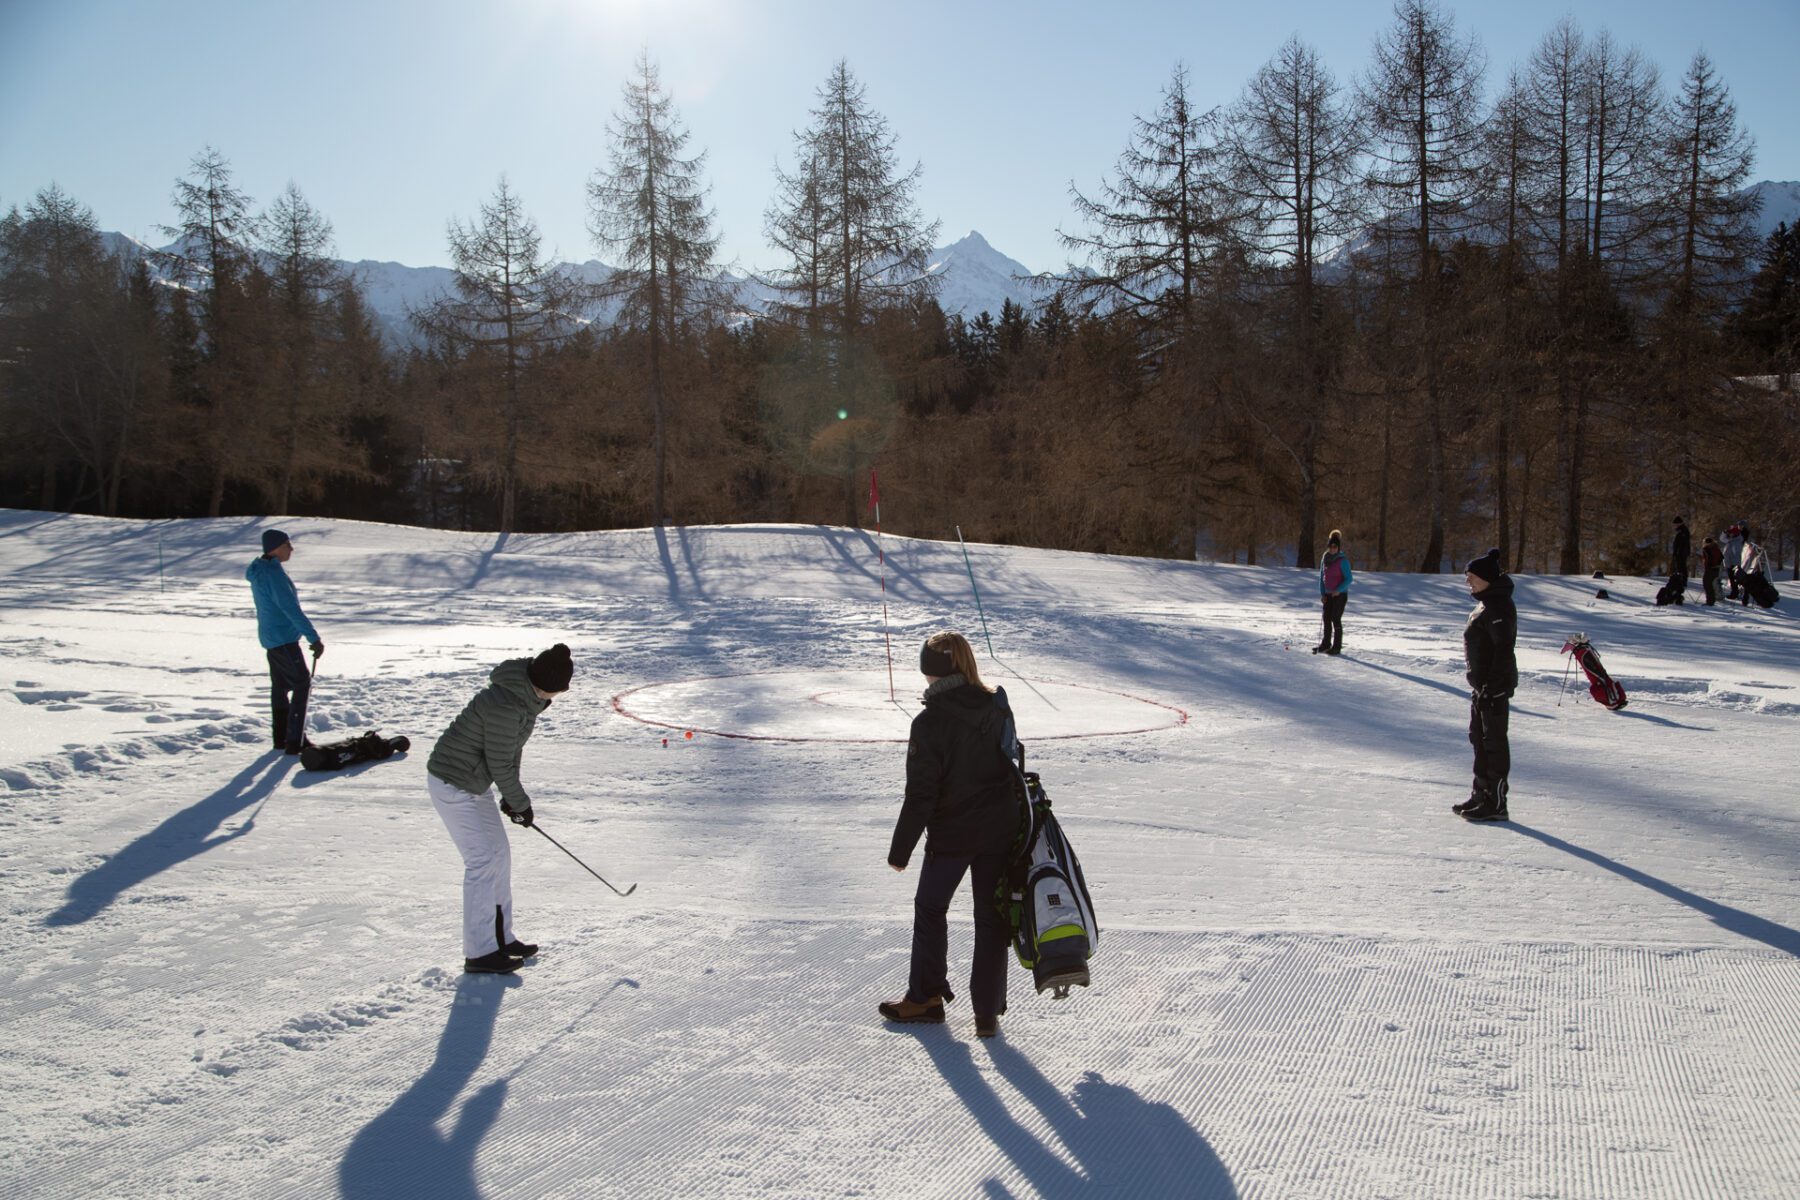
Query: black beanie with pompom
{"x":1487,"y":566}
{"x":552,"y":670}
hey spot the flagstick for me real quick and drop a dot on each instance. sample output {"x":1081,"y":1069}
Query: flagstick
{"x":881,"y":555}
{"x":977,"y":588}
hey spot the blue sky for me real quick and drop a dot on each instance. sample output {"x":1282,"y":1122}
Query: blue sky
{"x":394,"y":117}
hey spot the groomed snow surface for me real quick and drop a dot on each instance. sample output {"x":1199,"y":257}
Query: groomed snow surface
{"x":221,"y":976}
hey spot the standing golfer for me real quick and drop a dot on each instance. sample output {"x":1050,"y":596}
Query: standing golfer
{"x":960,"y":796}
{"x":480,"y":749}
{"x":1493,"y":676}
{"x":280,"y":624}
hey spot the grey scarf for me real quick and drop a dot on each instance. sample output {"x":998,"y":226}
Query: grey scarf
{"x":948,"y":683}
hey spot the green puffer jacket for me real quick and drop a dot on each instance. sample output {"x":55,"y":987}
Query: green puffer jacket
{"x":482,"y":747}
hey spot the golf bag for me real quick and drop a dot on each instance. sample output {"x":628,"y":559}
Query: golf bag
{"x":1044,"y":898}
{"x":1601,"y":686}
{"x":1761,"y":590}
{"x":335,"y":756}
{"x":1672,"y":592}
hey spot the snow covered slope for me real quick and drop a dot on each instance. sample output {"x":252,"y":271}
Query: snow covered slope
{"x":221,"y":976}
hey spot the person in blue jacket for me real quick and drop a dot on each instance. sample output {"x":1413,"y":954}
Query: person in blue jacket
{"x":1334,"y":593}
{"x":280,"y":624}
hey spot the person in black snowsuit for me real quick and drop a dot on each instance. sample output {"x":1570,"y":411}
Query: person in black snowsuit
{"x":1680,"y":550}
{"x":1493,"y":675}
{"x":961,"y":797}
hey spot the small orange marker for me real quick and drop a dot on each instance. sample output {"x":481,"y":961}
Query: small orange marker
{"x":689,"y":735}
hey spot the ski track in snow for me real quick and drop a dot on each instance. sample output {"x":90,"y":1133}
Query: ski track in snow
{"x":228,"y":977}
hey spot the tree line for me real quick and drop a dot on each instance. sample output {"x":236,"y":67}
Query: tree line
{"x":1438,"y":314}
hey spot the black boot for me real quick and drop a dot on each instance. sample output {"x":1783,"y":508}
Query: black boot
{"x":519,"y":949}
{"x":1491,"y":806}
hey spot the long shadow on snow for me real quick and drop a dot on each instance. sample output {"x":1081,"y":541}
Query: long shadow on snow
{"x":1461,"y":693}
{"x":1735,"y":920}
{"x":1125,"y":1145}
{"x":401,"y":1152}
{"x":837,"y":539}
{"x":184,"y":835}
{"x":1654,"y":720}
{"x":486,"y":562}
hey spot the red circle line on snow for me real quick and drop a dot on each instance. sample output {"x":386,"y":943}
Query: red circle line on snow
{"x":618,"y":704}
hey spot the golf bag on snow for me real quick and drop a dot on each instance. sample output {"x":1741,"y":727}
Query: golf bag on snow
{"x":1044,"y":898}
{"x":1761,"y":590}
{"x":1601,"y":686}
{"x":1672,"y":592}
{"x":335,"y":756}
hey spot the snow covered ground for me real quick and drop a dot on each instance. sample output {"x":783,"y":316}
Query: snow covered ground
{"x":223,"y":977}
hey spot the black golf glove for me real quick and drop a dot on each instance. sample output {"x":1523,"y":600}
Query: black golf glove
{"x":519,"y":818}
{"x":318,"y":648}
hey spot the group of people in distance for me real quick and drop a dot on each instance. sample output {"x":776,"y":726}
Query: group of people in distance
{"x":1739,"y":556}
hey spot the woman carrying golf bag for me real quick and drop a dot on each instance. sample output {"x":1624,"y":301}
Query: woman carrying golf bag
{"x":960,"y":795}
{"x":479,"y":750}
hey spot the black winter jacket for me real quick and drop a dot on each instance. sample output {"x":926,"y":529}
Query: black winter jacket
{"x":960,"y":789}
{"x":1488,"y":640}
{"x":1680,"y":552}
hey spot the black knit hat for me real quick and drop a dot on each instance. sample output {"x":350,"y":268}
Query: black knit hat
{"x":1487,"y":566}
{"x":935,"y":662}
{"x":273,"y":540}
{"x":552,"y":670}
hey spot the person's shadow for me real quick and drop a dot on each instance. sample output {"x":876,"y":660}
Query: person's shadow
{"x":184,"y":835}
{"x":1736,"y":920}
{"x":401,"y":1151}
{"x":1124,"y":1144}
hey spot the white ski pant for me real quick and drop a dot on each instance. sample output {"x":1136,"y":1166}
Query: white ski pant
{"x":479,"y":831}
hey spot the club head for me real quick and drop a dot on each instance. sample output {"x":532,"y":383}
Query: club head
{"x":631,"y":889}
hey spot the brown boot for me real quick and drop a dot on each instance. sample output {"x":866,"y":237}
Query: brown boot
{"x":987,"y":1027}
{"x":906,"y":1012}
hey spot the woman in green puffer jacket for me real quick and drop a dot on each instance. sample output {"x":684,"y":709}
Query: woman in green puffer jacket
{"x":479,"y":751}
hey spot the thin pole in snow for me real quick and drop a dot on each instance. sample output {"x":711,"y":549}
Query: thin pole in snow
{"x":973,"y":584}
{"x":881,"y":556}
{"x":160,"y":586}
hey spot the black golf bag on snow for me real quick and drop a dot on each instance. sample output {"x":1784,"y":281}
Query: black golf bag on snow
{"x":1761,"y":590}
{"x":1673,"y":592}
{"x":1601,"y":686}
{"x":335,"y":756}
{"x":1044,"y":898}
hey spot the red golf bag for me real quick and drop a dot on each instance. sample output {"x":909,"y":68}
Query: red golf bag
{"x":1601,"y":686}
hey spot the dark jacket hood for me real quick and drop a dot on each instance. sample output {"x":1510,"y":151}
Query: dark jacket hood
{"x":971,"y":705}
{"x":511,"y":677}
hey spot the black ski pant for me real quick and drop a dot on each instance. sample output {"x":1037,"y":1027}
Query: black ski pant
{"x":1333,"y":637}
{"x":930,"y":976}
{"x":1487,"y":733}
{"x":289,"y":685}
{"x":1710,"y":581}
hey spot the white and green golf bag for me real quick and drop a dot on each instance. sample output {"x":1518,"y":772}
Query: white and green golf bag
{"x":1045,"y":898}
